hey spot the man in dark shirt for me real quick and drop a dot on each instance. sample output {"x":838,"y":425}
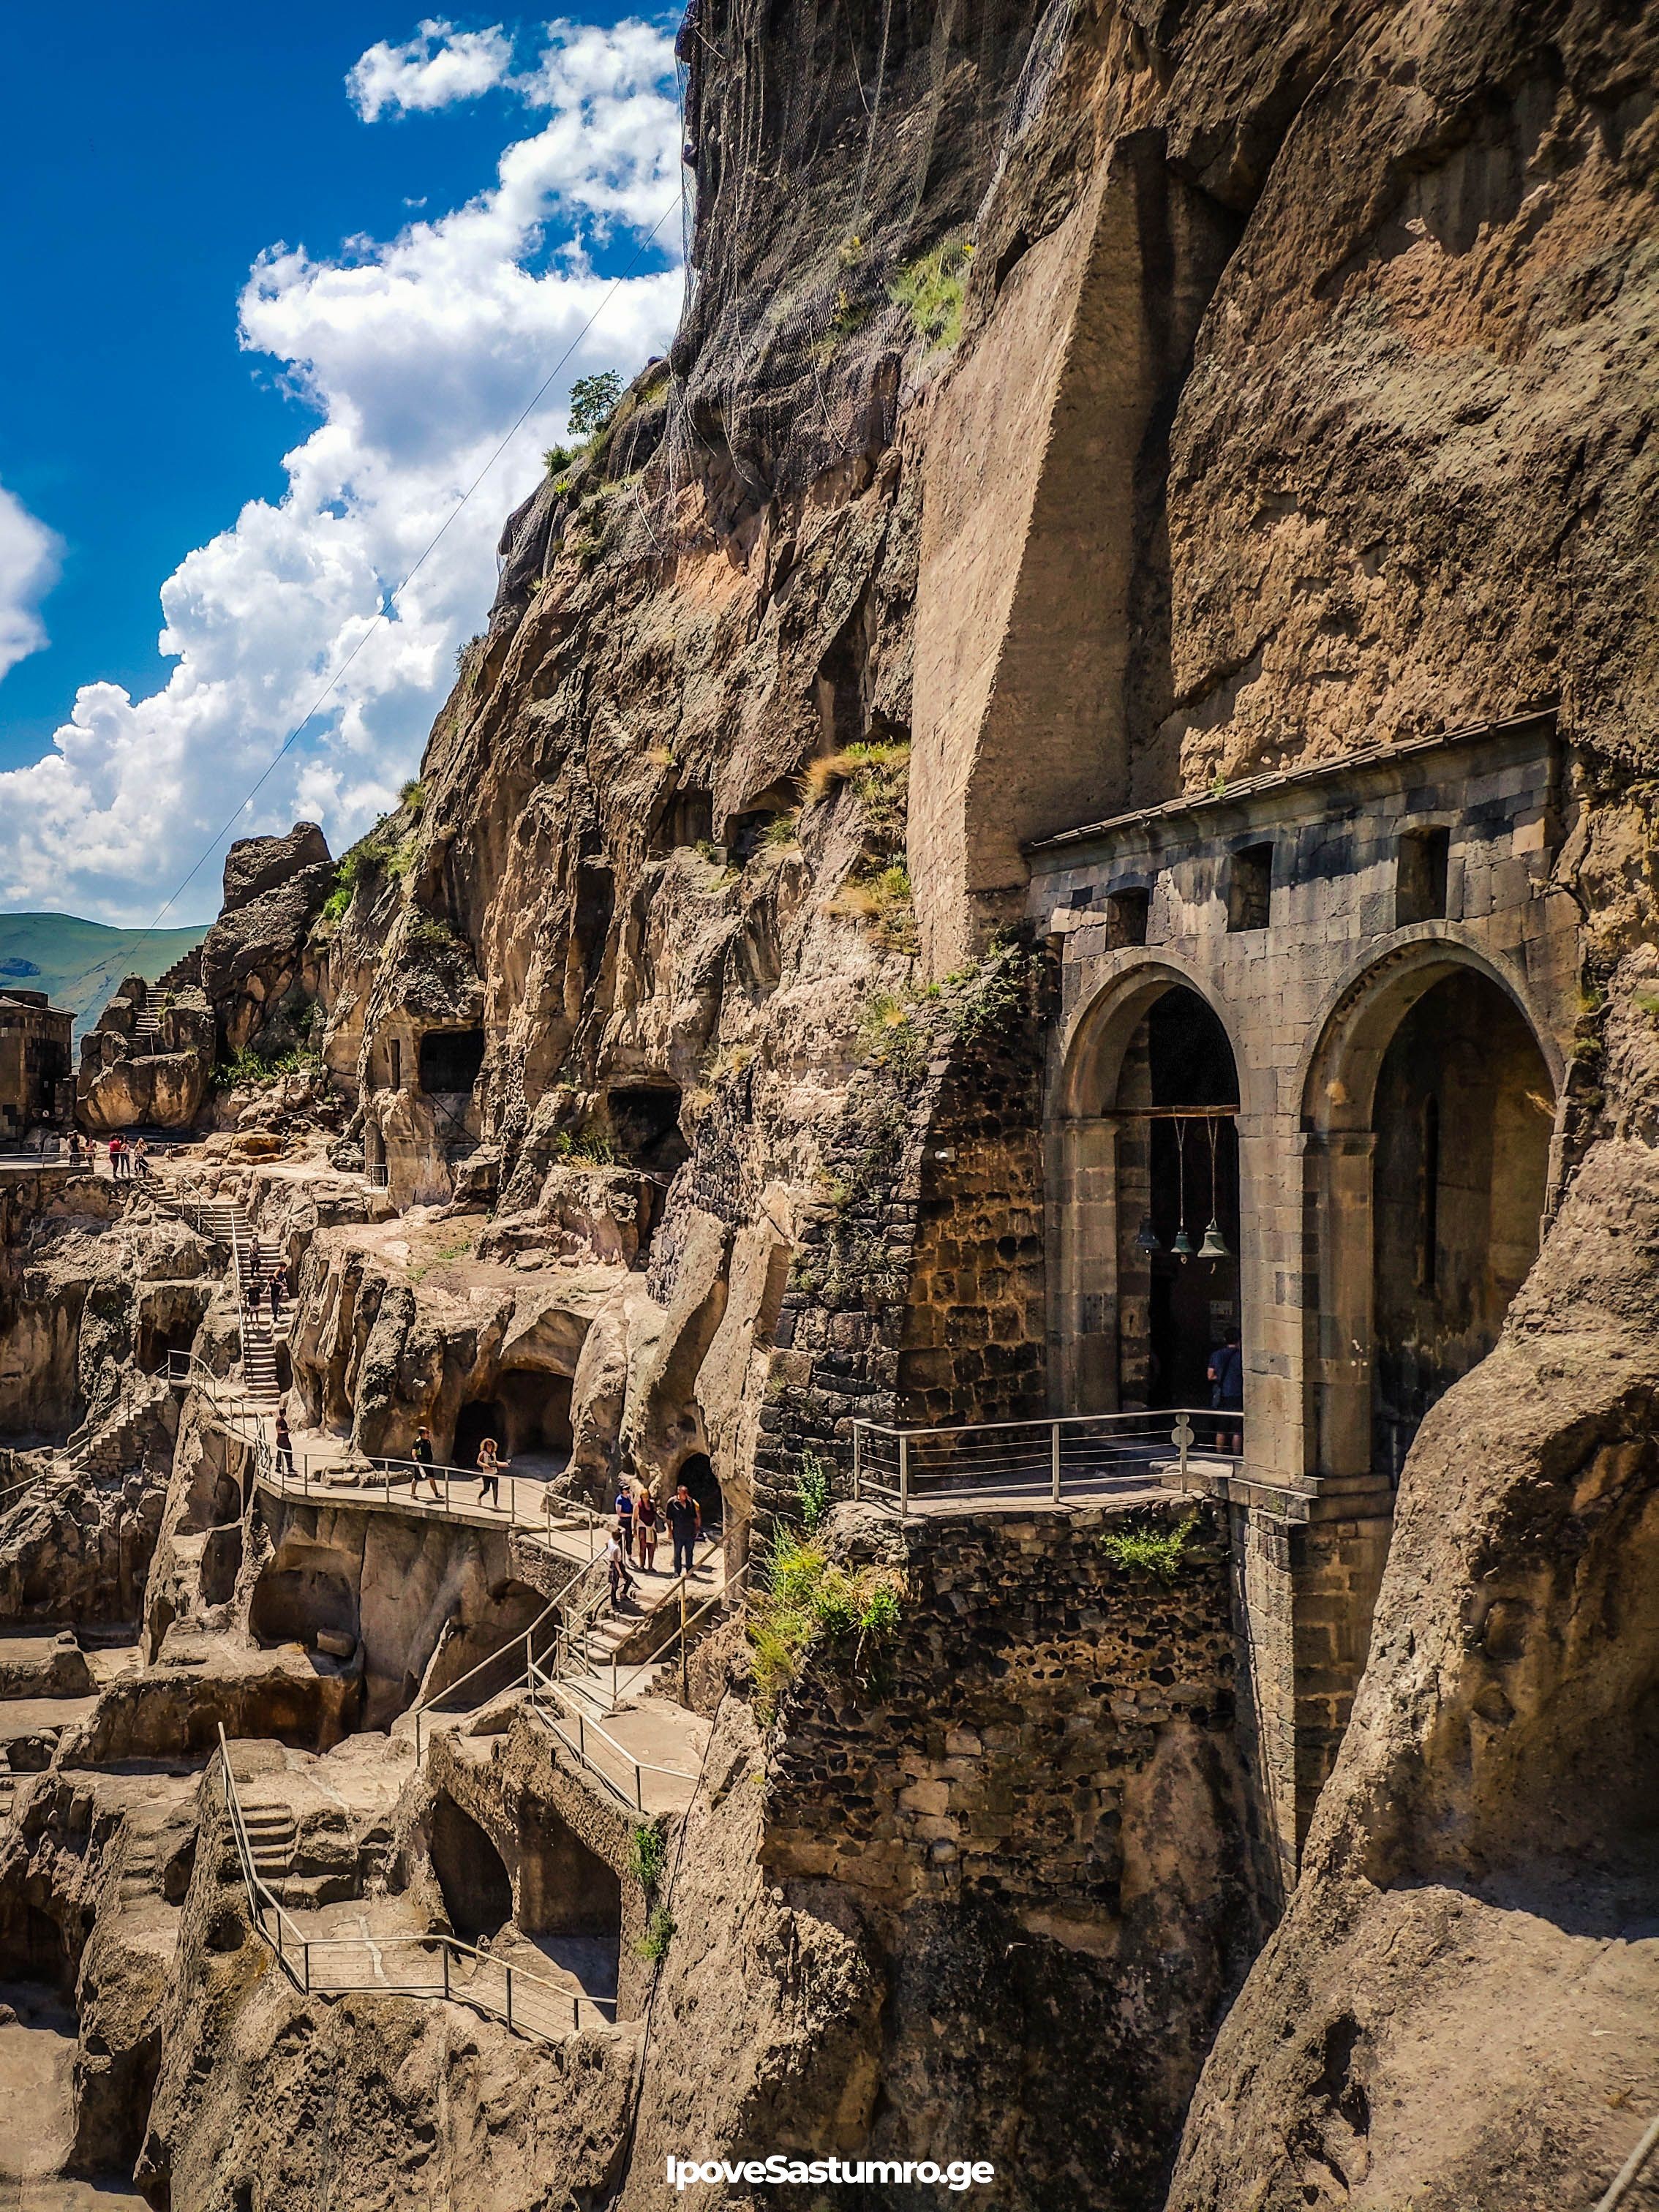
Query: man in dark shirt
{"x":1226,"y":1373}
{"x":684,"y":1526}
{"x":421,"y":1452}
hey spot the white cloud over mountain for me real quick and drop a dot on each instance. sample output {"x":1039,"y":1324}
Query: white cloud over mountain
{"x":417,"y":354}
{"x":29,"y":569}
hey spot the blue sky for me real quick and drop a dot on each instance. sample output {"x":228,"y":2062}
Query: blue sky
{"x":450,"y":221}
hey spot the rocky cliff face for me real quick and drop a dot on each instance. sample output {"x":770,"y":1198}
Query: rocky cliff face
{"x":1070,"y":410}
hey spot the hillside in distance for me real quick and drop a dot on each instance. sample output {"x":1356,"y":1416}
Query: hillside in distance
{"x":79,"y":963}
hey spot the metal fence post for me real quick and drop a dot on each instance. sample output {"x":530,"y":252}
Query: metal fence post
{"x":444,"y":1955}
{"x":904,"y":1476}
{"x":509,"y":1997}
{"x":858,"y":1459}
{"x":1053,"y":1460}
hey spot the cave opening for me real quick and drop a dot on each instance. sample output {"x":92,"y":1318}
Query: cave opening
{"x":646,"y":1119}
{"x":697,"y":1474}
{"x":472,"y":1875}
{"x":478,"y":1419}
{"x":450,"y":1060}
{"x":536,"y":1407}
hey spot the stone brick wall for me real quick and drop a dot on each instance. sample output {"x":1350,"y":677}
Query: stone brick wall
{"x":1032,"y":1698}
{"x":919,"y":1297}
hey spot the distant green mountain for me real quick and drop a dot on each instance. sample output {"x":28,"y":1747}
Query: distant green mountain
{"x":79,"y":964}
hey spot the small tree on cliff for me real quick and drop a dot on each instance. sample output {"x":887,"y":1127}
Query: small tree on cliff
{"x":593,"y":402}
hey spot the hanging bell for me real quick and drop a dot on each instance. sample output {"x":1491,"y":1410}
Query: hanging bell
{"x":1183,"y":1246}
{"x":1147,"y":1241}
{"x":1214,"y":1246}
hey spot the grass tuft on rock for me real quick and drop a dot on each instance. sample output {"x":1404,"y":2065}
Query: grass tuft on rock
{"x":809,"y":1603}
{"x":932,"y":289}
{"x":1151,"y":1548}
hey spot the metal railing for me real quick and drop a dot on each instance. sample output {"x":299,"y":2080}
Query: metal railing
{"x":672,"y":1613}
{"x":1076,"y":1456}
{"x":543,"y":1686}
{"x":531,"y":1507}
{"x":424,"y":1708}
{"x":431,"y":1965}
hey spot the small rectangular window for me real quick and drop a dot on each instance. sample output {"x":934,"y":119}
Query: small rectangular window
{"x":395,"y":1055}
{"x":1125,"y":917}
{"x":1420,"y":875}
{"x":1249,"y":887}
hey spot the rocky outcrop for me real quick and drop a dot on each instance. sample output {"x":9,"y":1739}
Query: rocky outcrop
{"x":253,"y":956}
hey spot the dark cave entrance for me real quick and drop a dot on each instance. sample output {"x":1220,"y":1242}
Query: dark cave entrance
{"x":536,"y":1408}
{"x":478,"y":1419}
{"x":646,"y":1119}
{"x":472,"y":1875}
{"x":450,"y":1060}
{"x":697,"y":1474}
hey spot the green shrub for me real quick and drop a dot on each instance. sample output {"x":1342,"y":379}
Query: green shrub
{"x":588,"y":1146}
{"x":813,"y":1492}
{"x":932,"y":289}
{"x":647,"y":1858}
{"x":557,"y":459}
{"x":1151,"y":1548}
{"x":658,"y":1934}
{"x":881,"y":897}
{"x":806,"y":1602}
{"x":248,"y":1070}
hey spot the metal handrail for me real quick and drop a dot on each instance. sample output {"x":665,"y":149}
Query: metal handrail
{"x":262,"y":1901}
{"x":585,"y":1726}
{"x":1061,"y":1453}
{"x":422,"y":1706}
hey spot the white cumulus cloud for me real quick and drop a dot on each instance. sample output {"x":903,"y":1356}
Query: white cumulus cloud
{"x":438,"y":65}
{"x":416,"y":355}
{"x":29,"y":569}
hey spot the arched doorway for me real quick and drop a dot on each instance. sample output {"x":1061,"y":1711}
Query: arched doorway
{"x":1462,"y":1117}
{"x":1430,"y":1109}
{"x":1151,"y":1216}
{"x":477,"y":1890}
{"x":697,"y":1474}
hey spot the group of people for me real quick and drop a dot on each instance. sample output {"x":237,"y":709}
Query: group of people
{"x":267,"y":1278}
{"x":639,"y":1522}
{"x":490,"y":1465}
{"x":125,"y":1160}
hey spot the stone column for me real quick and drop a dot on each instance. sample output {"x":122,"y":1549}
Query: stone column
{"x":1338,"y":1297}
{"x":1084,"y":1230}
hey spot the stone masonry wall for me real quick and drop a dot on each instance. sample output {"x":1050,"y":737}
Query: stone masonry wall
{"x":1012,"y":1735}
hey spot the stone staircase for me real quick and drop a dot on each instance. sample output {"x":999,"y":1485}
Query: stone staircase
{"x":150,"y":1848}
{"x":272,"y":1836}
{"x":183,"y":975}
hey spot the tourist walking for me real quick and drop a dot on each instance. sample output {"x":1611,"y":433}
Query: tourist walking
{"x":116,"y":1154}
{"x":276,"y":1284}
{"x":646,"y":1521}
{"x":615,"y":1560}
{"x":490,"y":1468}
{"x":284,"y":1444}
{"x":625,"y":1512}
{"x":421,"y":1452}
{"x":139,"y":1161}
{"x":684,"y":1526}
